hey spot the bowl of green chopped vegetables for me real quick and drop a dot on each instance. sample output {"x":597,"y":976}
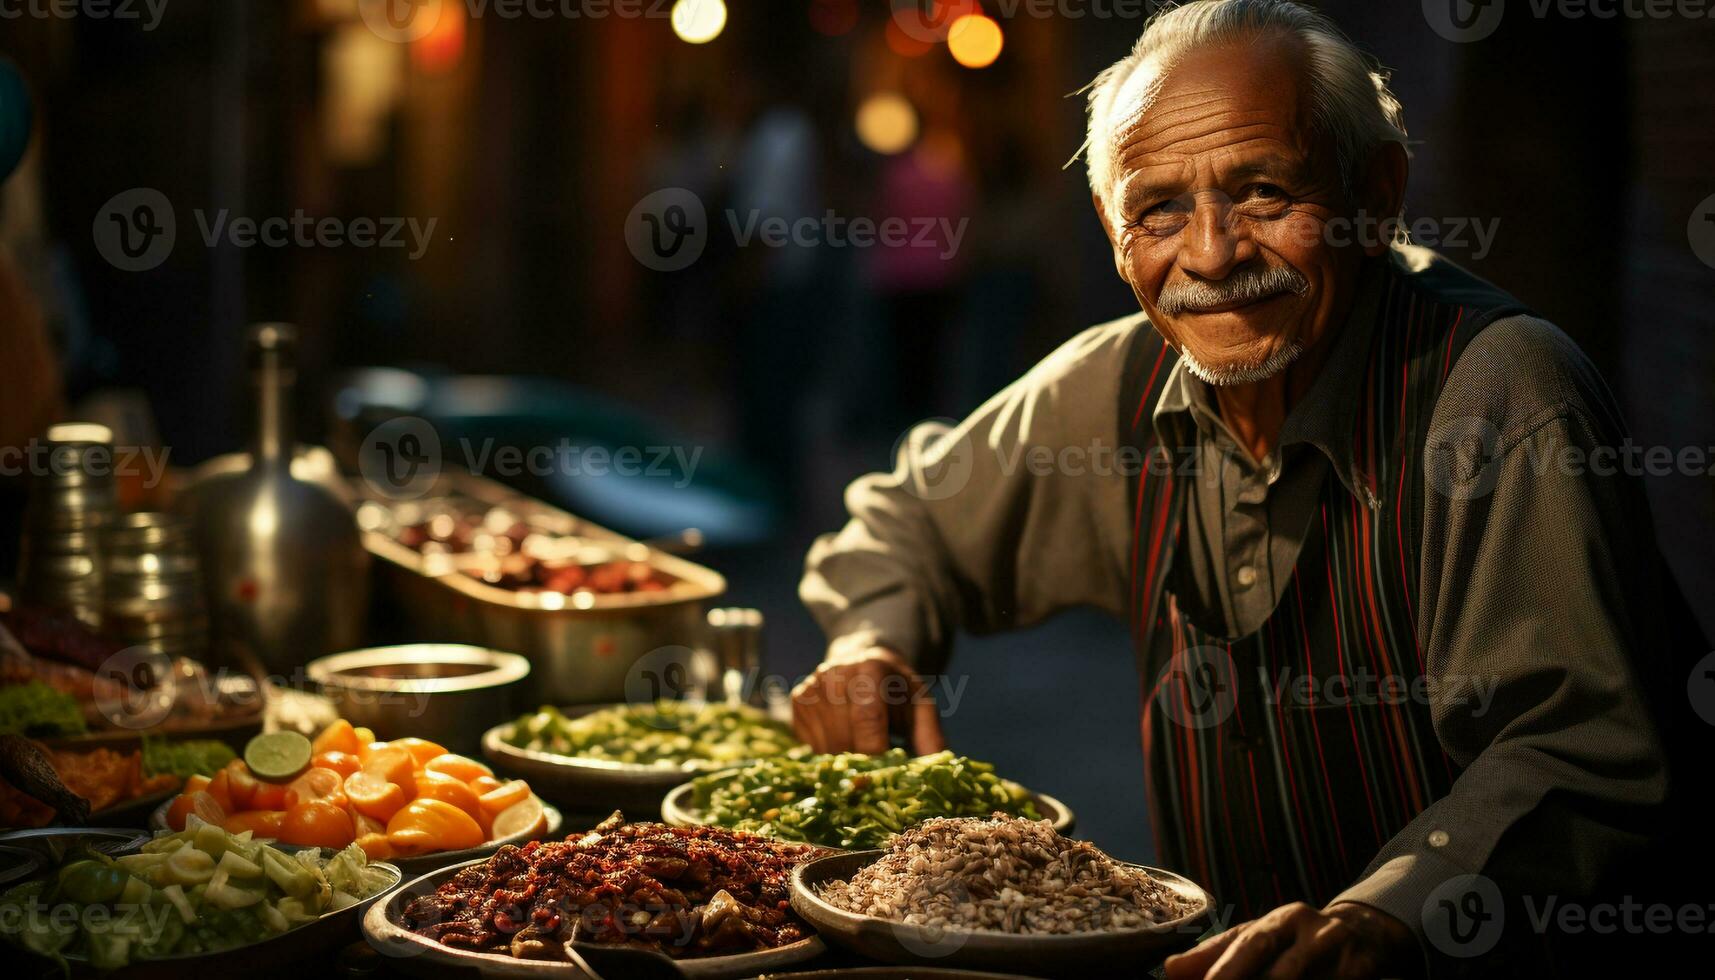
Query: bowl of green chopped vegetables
{"x":851,"y":800}
{"x":599,"y":758}
{"x":194,"y":902}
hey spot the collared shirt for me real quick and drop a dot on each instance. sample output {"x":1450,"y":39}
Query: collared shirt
{"x":1246,"y":520}
{"x":1540,"y":584}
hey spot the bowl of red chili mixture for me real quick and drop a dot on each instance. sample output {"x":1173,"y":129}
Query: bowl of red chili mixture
{"x":717,"y":902}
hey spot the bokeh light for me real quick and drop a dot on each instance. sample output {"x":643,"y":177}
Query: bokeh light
{"x":886,"y":123}
{"x":974,"y":41}
{"x":698,"y":21}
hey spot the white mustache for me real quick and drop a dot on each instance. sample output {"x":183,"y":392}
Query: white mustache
{"x":1241,"y":287}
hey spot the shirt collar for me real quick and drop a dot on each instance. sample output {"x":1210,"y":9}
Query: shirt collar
{"x":1323,"y":418}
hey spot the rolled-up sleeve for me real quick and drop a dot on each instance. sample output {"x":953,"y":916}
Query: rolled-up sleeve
{"x":1012,"y":514}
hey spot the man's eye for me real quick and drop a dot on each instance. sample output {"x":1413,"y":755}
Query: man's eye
{"x":1169,"y":210}
{"x":1265,"y":193}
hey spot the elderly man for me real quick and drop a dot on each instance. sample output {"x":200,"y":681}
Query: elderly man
{"x":1400,"y":654}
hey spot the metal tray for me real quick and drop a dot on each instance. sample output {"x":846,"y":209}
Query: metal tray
{"x":1130,"y":951}
{"x":677,"y":811}
{"x":422,"y":956}
{"x":424,"y":863}
{"x":581,"y":648}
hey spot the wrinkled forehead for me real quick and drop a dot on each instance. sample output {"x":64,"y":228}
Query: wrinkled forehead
{"x":1207,"y":95}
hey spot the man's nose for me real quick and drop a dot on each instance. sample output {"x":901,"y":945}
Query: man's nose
{"x":1212,"y":245}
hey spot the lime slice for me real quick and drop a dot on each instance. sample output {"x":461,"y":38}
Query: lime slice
{"x":277,"y":755}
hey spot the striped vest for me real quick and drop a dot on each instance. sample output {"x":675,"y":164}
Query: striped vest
{"x":1280,"y":762}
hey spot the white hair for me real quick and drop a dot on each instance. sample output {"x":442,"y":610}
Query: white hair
{"x":1349,"y":96}
{"x":1242,"y":373}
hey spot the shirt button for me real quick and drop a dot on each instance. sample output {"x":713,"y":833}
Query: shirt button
{"x":1438,"y":838}
{"x":1246,"y":576}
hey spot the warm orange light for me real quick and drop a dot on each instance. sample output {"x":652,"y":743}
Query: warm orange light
{"x":886,"y":123}
{"x":904,"y":43}
{"x":441,"y":48}
{"x":974,"y":41}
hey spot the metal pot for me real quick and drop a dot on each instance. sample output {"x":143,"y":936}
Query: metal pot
{"x":446,"y":693}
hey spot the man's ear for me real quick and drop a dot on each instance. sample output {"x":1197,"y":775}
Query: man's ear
{"x":1382,"y":193}
{"x":1120,"y":265}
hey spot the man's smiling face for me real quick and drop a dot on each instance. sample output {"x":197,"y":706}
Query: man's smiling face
{"x":1218,"y":204}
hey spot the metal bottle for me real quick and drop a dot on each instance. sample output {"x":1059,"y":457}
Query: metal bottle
{"x":286,"y":575}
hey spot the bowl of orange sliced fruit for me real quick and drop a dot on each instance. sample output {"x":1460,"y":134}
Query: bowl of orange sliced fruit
{"x":408,"y":801}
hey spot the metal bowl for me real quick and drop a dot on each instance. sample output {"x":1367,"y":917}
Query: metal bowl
{"x":443,"y":692}
{"x":677,"y":811}
{"x":588,"y":785}
{"x":1129,"y":951}
{"x":422,"y":956}
{"x":424,"y":863}
{"x":310,"y":939}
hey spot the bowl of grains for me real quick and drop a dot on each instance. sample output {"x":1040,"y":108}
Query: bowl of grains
{"x":1000,"y":892}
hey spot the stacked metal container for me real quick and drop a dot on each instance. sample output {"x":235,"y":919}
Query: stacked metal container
{"x":152,"y":589}
{"x":72,"y":495}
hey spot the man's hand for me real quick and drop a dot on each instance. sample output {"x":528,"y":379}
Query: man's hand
{"x":1345,"y":941}
{"x":857,"y":696}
